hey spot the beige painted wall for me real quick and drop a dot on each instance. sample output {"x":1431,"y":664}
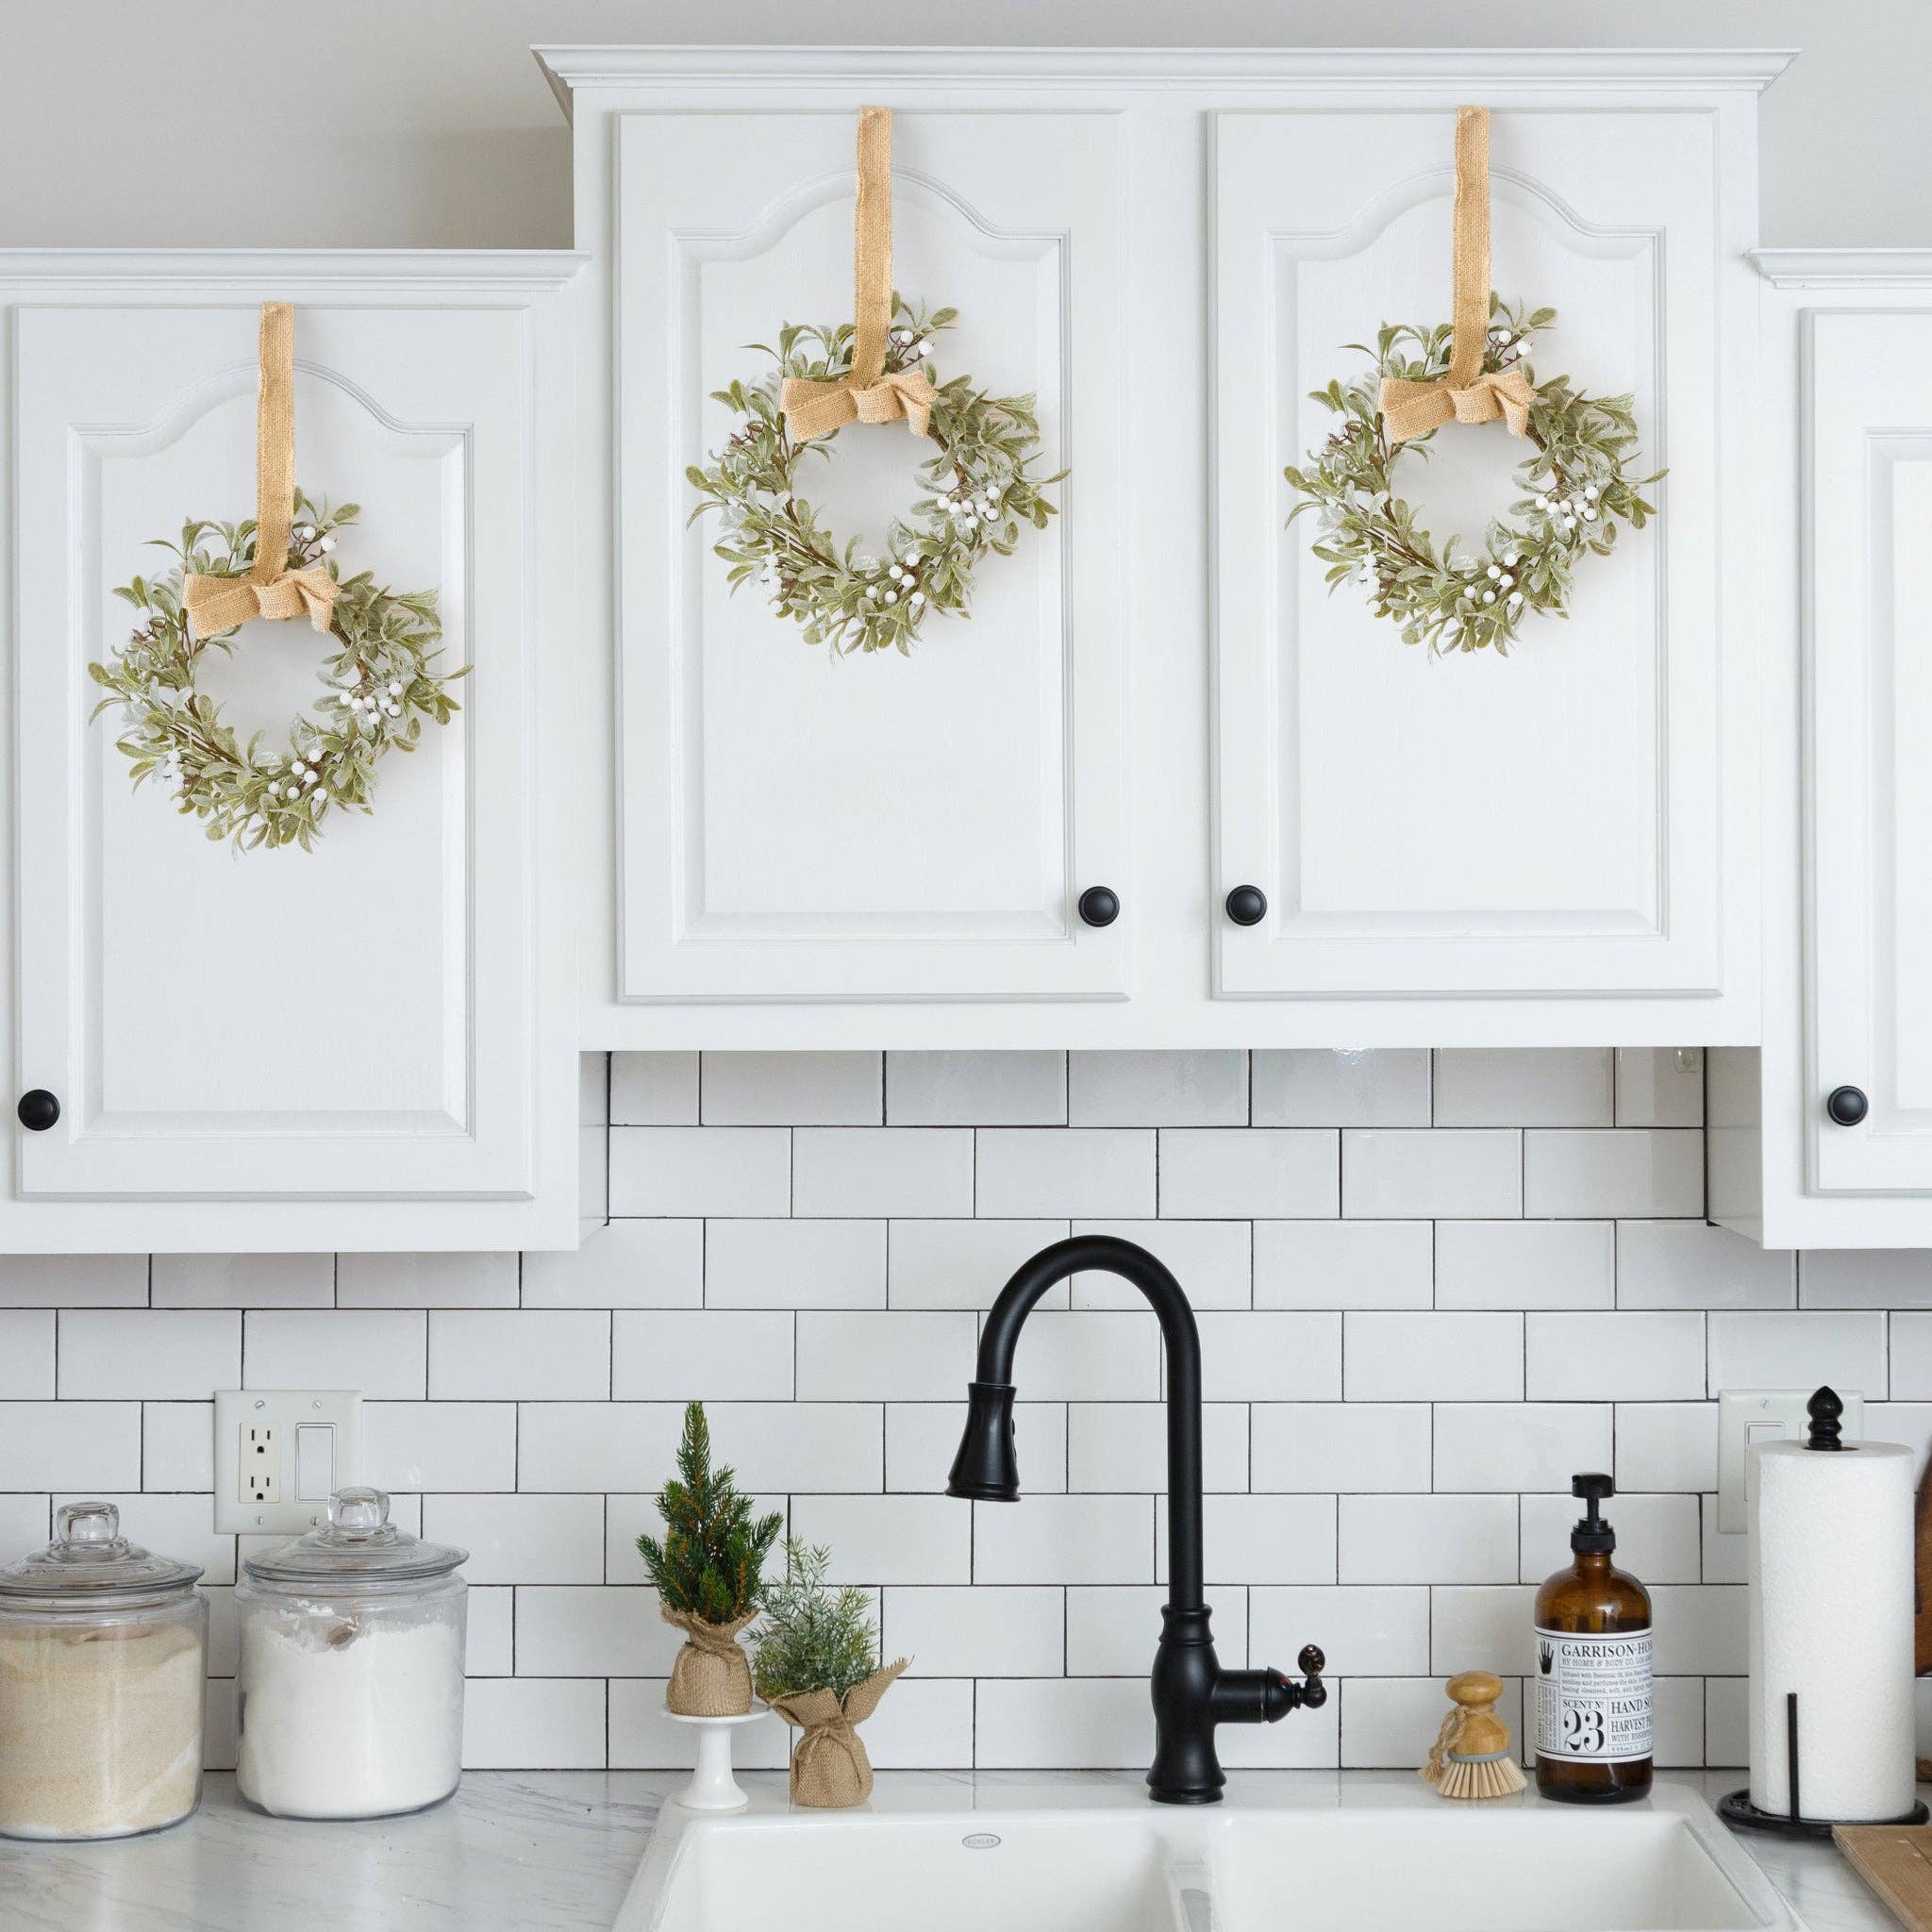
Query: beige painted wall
{"x":424,"y":122}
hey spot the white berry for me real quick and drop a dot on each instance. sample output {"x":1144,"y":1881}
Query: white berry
{"x":871,"y":591}
{"x":892,"y":596}
{"x":1503,"y":583}
{"x":309,"y":778}
{"x":919,"y":596}
{"x":1588,"y":514}
{"x":274,"y":791}
{"x":394,"y":710}
{"x":1515,"y":597}
{"x":925,"y":348}
{"x":327,"y":544}
{"x":1591,"y":494}
{"x":1510,"y":561}
{"x":1488,"y":597}
{"x":1495,"y":572}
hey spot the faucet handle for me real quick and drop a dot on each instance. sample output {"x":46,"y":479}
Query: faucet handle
{"x":1311,"y":1663}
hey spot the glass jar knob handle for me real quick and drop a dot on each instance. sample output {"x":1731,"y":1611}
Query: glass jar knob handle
{"x":359,"y":1511}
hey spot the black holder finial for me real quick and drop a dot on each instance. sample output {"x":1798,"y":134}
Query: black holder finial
{"x":1824,"y":1408}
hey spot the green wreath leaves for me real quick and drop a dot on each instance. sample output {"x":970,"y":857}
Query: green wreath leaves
{"x":380,"y":688}
{"x":1577,"y":490}
{"x":981,"y":488}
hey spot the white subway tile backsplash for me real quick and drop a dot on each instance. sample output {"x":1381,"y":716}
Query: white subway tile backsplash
{"x":381,"y":1352}
{"x":709,"y":1354}
{"x":73,"y":1281}
{"x":699,"y":1171}
{"x":1517,"y":1446}
{"x":1443,"y":1173}
{"x":654,"y":1090}
{"x":891,"y":1538}
{"x":427,"y":1281}
{"x":1247,"y":1172}
{"x":177,"y":1445}
{"x":1727,"y":1721}
{"x":964,"y":1264}
{"x":1526,"y":1264}
{"x":1667,"y":1446}
{"x":1282,"y":1538}
{"x":1100,"y":1724}
{"x":976,"y":1089}
{"x":1085,"y":1538}
{"x":522,"y":1538}
{"x":1122,"y":1445}
{"x":1625,"y":1171}
{"x":70,"y":1445}
{"x":926,"y":1721}
{"x":1657,"y":1536}
{"x":1085,"y":1173}
{"x":565,"y":1446}
{"x":519,"y":1355}
{"x":488,"y":1635}
{"x":1271,"y":1356}
{"x":1315,"y":1086}
{"x":1085,"y":1358}
{"x":824,"y":1090}
{"x":178,"y":1352}
{"x":1515,"y":1087}
{"x":440,"y":1445}
{"x":1691,"y":1264}
{"x":26,"y":1355}
{"x":26,"y":1524}
{"x":1426,"y":1538}
{"x":1911,"y":1358}
{"x":591,"y":1632}
{"x":966,"y":1631}
{"x":1620,"y":1358}
{"x":1364,"y":1631}
{"x":626,"y":1264}
{"x":1440,"y":1357}
{"x":1800,"y":1350}
{"x":553,"y":1722}
{"x":1865,"y":1278}
{"x":1206,"y":1089}
{"x":849,"y":1357}
{"x":1484,"y":1626}
{"x":867,"y":1171}
{"x":1327,"y":1448}
{"x":644,"y":1737}
{"x":243,"y":1281}
{"x":1659,"y":1087}
{"x":1211,"y":1260}
{"x":1699,"y":1630}
{"x":794,"y":1264}
{"x":1342,"y":1264}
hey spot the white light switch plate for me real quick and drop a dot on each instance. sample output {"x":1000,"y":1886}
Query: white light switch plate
{"x":1745,"y":1418}
{"x":280,"y":1453}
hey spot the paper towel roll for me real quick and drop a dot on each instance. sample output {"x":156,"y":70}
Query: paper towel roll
{"x":1831,"y":1618}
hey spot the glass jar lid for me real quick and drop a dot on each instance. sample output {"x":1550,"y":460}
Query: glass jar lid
{"x":358,"y":1545}
{"x":89,"y":1561}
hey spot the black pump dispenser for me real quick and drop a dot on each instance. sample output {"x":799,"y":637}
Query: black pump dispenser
{"x":1592,"y":1535}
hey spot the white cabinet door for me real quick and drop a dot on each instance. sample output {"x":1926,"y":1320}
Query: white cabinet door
{"x":1548,"y":823}
{"x":1869,"y":746}
{"x":889,"y":828}
{"x":372,"y":1025}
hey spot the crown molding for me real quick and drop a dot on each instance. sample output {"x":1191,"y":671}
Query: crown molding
{"x":1843,"y":268}
{"x":261,"y":274}
{"x":572,"y":68}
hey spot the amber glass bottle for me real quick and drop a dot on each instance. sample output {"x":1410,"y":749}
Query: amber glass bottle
{"x":1592,"y":1661}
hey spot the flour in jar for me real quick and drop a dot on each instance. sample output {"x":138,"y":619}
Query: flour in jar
{"x":346,"y":1716}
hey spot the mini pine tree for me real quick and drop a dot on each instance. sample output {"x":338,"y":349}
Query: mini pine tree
{"x":814,"y":1636}
{"x":710,"y":1564}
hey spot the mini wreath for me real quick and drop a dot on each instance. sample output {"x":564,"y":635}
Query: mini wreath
{"x":980,"y":488}
{"x":380,"y":688}
{"x":1577,"y":490}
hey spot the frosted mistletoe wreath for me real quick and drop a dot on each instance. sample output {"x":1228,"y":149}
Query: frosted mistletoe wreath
{"x":1576,"y":486}
{"x":980,"y":486}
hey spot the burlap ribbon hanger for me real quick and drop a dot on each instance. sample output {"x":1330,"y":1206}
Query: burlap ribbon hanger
{"x":867,"y":394}
{"x":271,"y":589}
{"x":1465,"y":394}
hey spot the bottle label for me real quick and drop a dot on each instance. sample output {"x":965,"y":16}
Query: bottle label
{"x":1592,"y":1701}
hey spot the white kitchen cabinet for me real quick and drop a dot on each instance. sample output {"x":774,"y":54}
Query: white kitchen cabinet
{"x":368,"y":1047}
{"x":786,"y":852}
{"x":1823,"y":1138}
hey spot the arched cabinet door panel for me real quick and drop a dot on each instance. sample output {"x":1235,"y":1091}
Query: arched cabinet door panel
{"x":361,"y":1030}
{"x":1550,"y":822}
{"x":908,"y":828}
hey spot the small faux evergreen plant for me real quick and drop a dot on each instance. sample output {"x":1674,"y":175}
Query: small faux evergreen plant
{"x":710,"y":1564}
{"x":814,"y":1637}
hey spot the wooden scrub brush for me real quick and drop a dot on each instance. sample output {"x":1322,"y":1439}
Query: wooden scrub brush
{"x":1471,"y":1758}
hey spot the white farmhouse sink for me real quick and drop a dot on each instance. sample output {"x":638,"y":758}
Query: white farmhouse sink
{"x":1280,"y":1856}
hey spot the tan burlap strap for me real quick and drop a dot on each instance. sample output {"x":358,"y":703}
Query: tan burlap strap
{"x":866,"y":394}
{"x":1465,"y":394}
{"x":271,"y":589}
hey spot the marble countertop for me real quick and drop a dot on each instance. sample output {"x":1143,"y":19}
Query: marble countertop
{"x":538,"y":1852}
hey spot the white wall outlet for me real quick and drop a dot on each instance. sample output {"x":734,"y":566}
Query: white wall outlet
{"x":1748,"y":1417}
{"x":280,"y":1453}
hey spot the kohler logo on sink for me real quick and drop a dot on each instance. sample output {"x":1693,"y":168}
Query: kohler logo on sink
{"x":980,"y":1840}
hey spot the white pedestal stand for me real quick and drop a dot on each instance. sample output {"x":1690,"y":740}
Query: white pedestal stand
{"x":712,"y":1788}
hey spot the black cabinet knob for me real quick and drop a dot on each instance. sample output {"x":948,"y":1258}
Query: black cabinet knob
{"x":38,"y":1110}
{"x":1099,"y":906}
{"x":1248,"y":906}
{"x":1847,"y":1106}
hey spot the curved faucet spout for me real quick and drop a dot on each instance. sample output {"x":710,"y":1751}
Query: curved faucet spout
{"x":986,"y":1468}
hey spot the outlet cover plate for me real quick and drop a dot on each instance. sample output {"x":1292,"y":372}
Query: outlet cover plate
{"x":308,"y":1462}
{"x":1745,"y":1418}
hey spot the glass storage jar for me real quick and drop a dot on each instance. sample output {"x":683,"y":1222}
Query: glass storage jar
{"x":103,"y":1677}
{"x":351,"y":1686}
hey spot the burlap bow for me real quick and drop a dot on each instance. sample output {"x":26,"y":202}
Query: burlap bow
{"x":829,"y":1765}
{"x":867,"y":394}
{"x":271,"y":589}
{"x":1465,"y":393}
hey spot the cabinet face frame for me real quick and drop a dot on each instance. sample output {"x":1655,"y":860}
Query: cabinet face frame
{"x":1172,"y":921}
{"x":520,"y":1185}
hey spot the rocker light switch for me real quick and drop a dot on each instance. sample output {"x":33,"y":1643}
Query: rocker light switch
{"x":315,"y":1462}
{"x":1745,"y":1419}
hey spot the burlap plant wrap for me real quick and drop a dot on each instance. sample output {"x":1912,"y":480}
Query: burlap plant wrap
{"x":829,"y":1768}
{"x":712,"y":1676}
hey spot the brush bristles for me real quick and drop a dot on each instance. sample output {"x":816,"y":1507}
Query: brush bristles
{"x":1495,"y":1777}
